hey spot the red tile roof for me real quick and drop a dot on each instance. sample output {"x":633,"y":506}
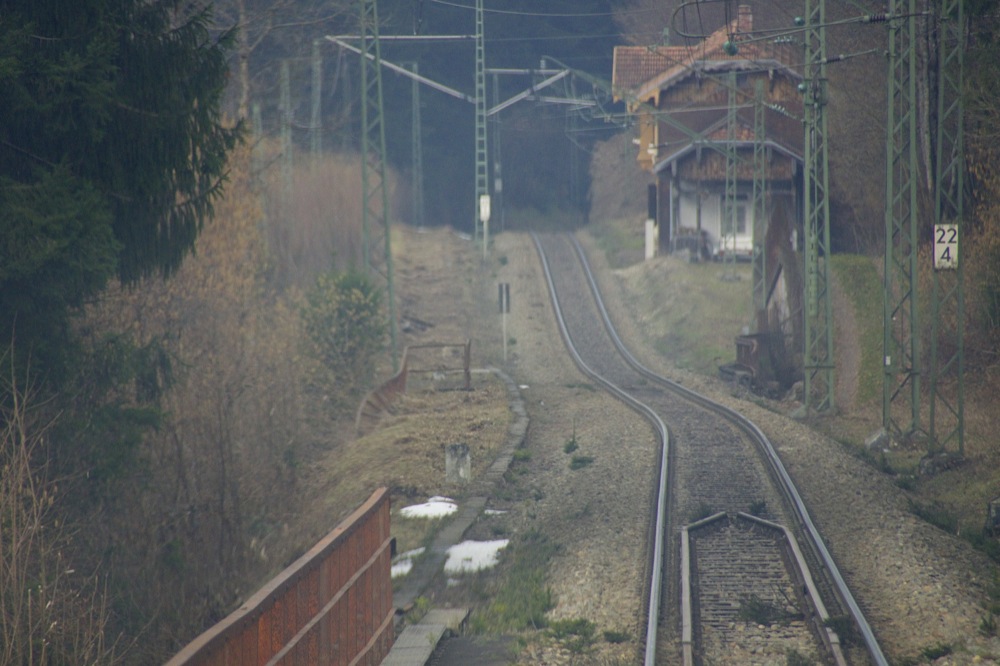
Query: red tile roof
{"x":634,"y":65}
{"x":642,"y":72}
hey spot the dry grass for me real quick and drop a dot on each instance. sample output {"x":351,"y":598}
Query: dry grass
{"x":694,"y":317}
{"x":407,"y":453}
{"x":694,"y":311}
{"x":313,"y":223}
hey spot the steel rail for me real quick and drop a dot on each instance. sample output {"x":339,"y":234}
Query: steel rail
{"x":749,"y":427}
{"x":653,"y":608}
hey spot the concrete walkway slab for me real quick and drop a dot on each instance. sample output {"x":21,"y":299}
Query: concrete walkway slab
{"x":417,"y":642}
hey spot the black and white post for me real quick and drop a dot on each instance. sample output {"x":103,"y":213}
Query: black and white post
{"x":503,"y":293}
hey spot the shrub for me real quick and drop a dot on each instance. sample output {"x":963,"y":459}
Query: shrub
{"x":616,"y":637}
{"x":795,"y":658}
{"x":843,"y":626}
{"x":937,"y":651}
{"x":755,"y":610}
{"x":988,"y":625}
{"x":346,"y":329}
{"x":49,"y":613}
{"x":576,"y":635}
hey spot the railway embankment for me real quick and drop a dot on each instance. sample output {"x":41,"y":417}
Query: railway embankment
{"x":923,"y":589}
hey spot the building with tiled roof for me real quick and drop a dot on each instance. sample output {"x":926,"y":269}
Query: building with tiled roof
{"x":680,"y":95}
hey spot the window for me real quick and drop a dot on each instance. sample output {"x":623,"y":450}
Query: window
{"x":741,"y":213}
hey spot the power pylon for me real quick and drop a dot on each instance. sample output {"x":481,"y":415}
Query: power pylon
{"x":901,"y":340}
{"x":482,"y":164}
{"x":376,"y":245}
{"x":498,"y":207}
{"x":316,"y":119}
{"x":417,"y":152}
{"x":728,"y":235}
{"x":817,"y":357}
{"x":758,"y":211}
{"x":947,"y":405}
{"x":287,"y":152}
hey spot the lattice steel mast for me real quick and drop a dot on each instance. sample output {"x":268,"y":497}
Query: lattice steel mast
{"x":376,"y":245}
{"x":417,"y":152}
{"x":287,"y":153}
{"x":758,"y":212}
{"x":901,"y":348}
{"x":817,"y":358}
{"x":947,"y":405}
{"x":498,"y":204}
{"x":316,"y":118}
{"x":482,"y":163}
{"x":728,"y":237}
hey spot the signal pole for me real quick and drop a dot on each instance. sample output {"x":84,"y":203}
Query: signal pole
{"x":497,"y":158}
{"x":728,"y":234}
{"x":947,"y":408}
{"x":417,"y":152}
{"x":729,"y":201}
{"x":482,"y":164}
{"x":817,"y":359}
{"x":758,"y":212}
{"x":376,"y":245}
{"x":315,"y":133}
{"x":901,"y":344}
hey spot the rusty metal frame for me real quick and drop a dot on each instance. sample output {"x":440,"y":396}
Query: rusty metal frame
{"x":332,"y":606}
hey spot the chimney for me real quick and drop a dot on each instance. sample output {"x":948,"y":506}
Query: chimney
{"x":745,"y":23}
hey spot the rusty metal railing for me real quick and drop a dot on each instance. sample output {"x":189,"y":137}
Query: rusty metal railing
{"x":332,"y":606}
{"x":381,"y":399}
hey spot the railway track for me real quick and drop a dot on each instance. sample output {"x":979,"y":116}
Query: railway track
{"x":738,"y":573}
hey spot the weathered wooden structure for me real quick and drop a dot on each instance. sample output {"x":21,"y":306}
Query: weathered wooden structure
{"x":681,"y":95}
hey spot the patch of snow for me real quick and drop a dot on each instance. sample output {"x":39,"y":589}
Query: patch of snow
{"x":401,"y":568}
{"x":473,"y":555}
{"x":402,"y":564}
{"x":435,"y":507}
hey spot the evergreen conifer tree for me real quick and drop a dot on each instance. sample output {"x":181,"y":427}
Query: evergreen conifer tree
{"x":112,"y":149}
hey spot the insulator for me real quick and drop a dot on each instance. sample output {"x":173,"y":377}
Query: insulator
{"x":879,"y":17}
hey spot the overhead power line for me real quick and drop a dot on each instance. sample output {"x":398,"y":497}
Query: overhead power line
{"x":544,"y":14}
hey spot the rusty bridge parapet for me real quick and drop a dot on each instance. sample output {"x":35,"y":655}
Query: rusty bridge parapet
{"x":332,"y":606}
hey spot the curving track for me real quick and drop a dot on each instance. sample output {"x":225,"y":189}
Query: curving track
{"x":729,"y":581}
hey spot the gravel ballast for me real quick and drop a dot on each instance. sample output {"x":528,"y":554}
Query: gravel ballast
{"x":920,"y":587}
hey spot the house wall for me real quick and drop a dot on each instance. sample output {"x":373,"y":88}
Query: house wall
{"x":711,"y":220}
{"x":712,"y":210}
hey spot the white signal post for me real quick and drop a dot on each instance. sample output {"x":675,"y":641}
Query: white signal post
{"x":484,"y":217}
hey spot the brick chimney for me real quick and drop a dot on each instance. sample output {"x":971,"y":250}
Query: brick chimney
{"x":745,"y":23}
